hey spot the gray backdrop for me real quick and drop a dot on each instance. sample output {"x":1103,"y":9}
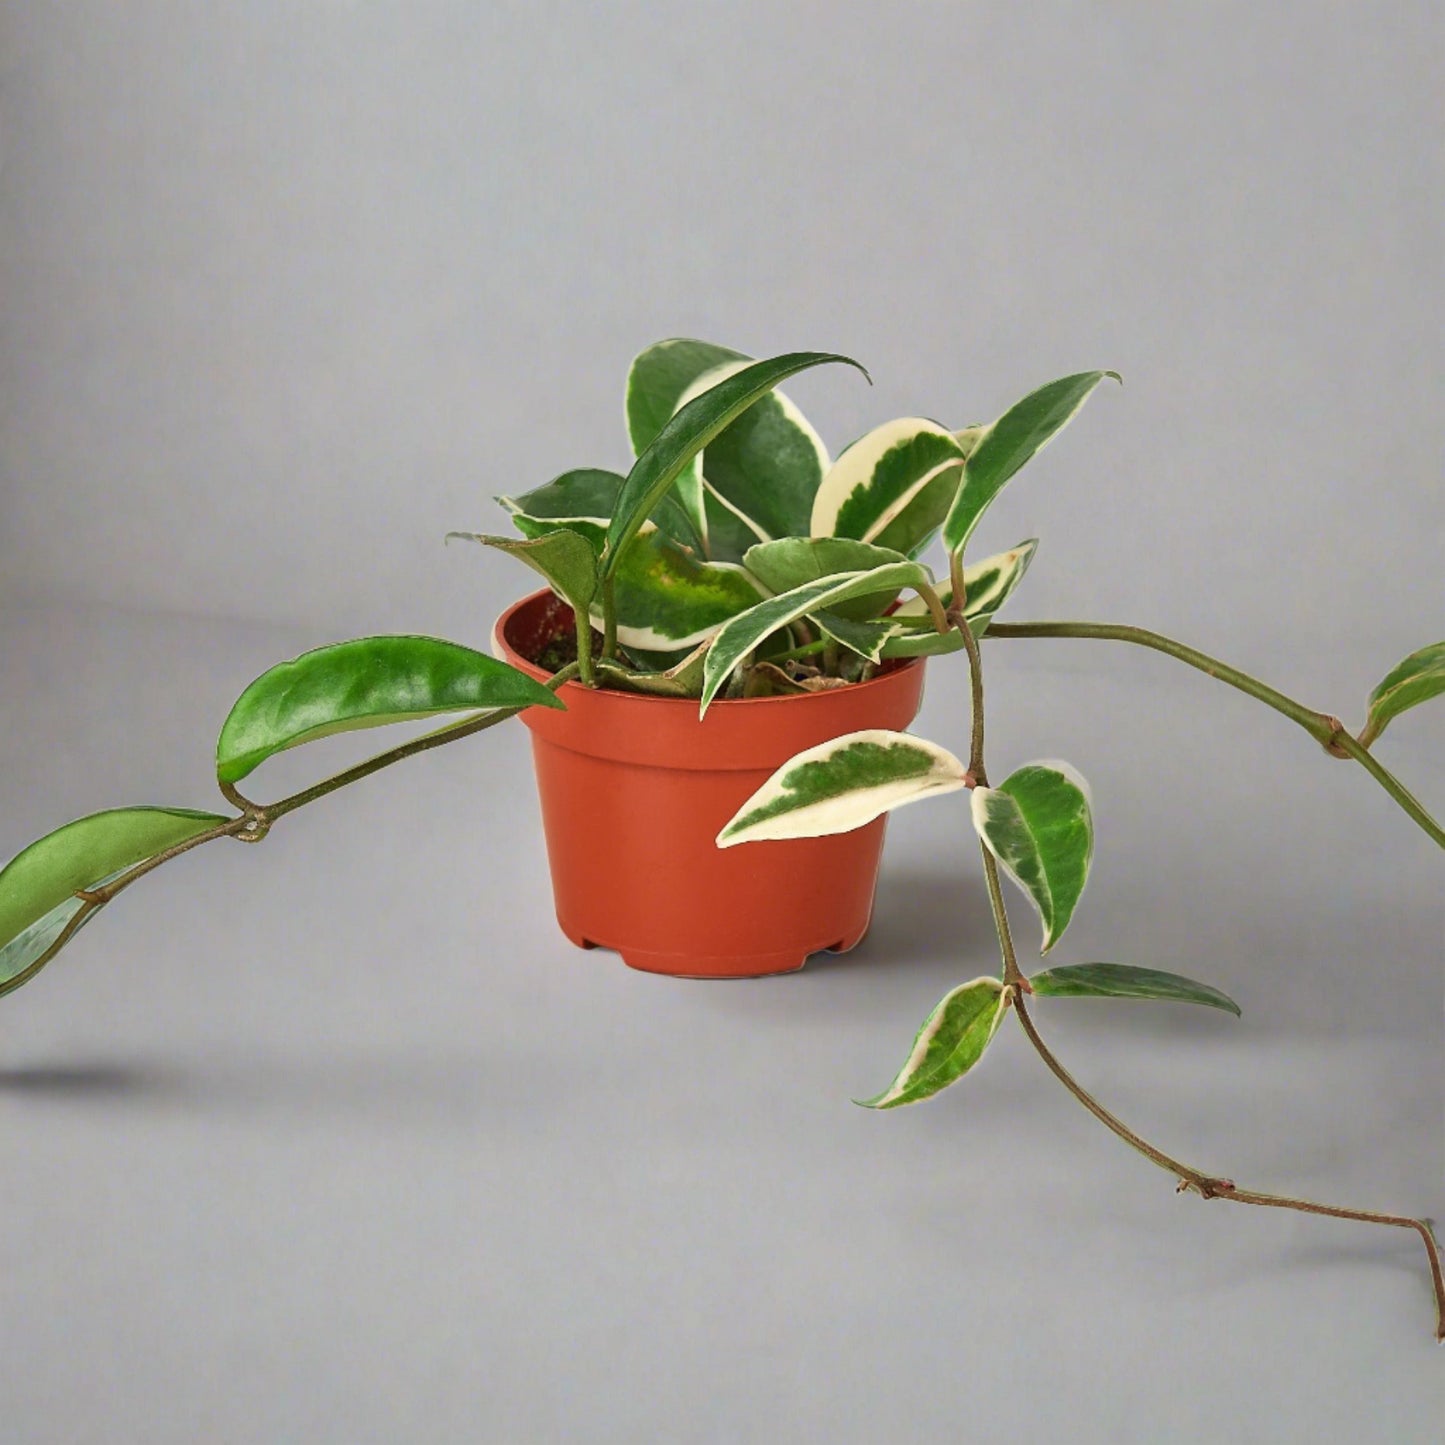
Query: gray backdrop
{"x":336,"y":1139}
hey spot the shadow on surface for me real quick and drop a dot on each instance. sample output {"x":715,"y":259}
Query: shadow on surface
{"x":100,"y":1081}
{"x":921,"y":918}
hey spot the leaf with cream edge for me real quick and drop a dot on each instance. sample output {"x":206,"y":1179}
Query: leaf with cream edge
{"x":1003,"y":447}
{"x":789,"y":562}
{"x":365,"y":683}
{"x":892,"y":487}
{"x":689,"y":431}
{"x":949,"y":1044}
{"x":761,"y":472}
{"x":741,"y":635}
{"x":1038,"y":825}
{"x":988,"y":585}
{"x":563,"y":557}
{"x":864,"y":639}
{"x":1417,"y":679}
{"x":38,"y":886}
{"x":584,"y":501}
{"x":1122,"y":980}
{"x":842,"y":784}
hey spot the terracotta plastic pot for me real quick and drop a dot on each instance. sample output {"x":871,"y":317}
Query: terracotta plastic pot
{"x":634,"y":790}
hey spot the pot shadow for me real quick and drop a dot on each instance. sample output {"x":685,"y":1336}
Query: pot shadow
{"x":101,"y":1081}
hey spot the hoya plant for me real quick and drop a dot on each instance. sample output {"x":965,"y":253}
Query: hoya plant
{"x":736,"y":558}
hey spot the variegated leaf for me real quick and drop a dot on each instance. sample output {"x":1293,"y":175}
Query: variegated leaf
{"x":989,"y":584}
{"x":742,"y":634}
{"x":564,"y":557}
{"x":1038,"y":825}
{"x":949,"y":1044}
{"x":583,"y":501}
{"x":843,"y":784}
{"x":667,"y":599}
{"x":1002,"y":448}
{"x":1121,"y":980}
{"x":681,"y":679}
{"x":1417,"y":679}
{"x":865,"y":639}
{"x":892,"y":487}
{"x":791,"y":561}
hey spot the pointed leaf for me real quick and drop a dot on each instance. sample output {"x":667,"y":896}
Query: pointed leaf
{"x":584,"y":501}
{"x":365,"y":683}
{"x":892,"y":487}
{"x":24,"y":956}
{"x":989,"y":584}
{"x":668,"y":599}
{"x":791,"y":561}
{"x":565,"y":558}
{"x":38,"y":885}
{"x":659,"y":376}
{"x":1120,"y":980}
{"x":949,"y":1044}
{"x":1417,"y":679}
{"x":843,"y":784}
{"x":1038,"y":825}
{"x":743,"y":633}
{"x":689,"y":431}
{"x":682,"y":679}
{"x":864,"y":639}
{"x":1024,"y":429}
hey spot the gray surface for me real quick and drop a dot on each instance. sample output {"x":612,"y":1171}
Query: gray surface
{"x":337,"y":1140}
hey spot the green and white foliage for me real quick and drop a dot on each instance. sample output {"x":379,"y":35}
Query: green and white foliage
{"x":892,"y":487}
{"x":366,"y":683}
{"x":739,"y":636}
{"x":756,"y":479}
{"x":949,"y":1044}
{"x":989,"y":584}
{"x":564,"y":557}
{"x":864,"y":639}
{"x":841,"y":785}
{"x":1003,"y":447}
{"x":39,"y":886}
{"x":1122,"y":980}
{"x":584,"y":501}
{"x":791,"y":561}
{"x":1037,"y":823}
{"x":1417,"y":679}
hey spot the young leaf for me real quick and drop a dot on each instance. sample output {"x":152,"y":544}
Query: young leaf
{"x":1417,"y":679}
{"x":1024,"y":429}
{"x":949,"y":1044}
{"x":564,"y":557}
{"x":38,"y":886}
{"x":892,"y":487}
{"x":364,"y":684}
{"x":688,"y":432}
{"x":1120,"y":980}
{"x":791,"y":561}
{"x":843,"y":784}
{"x":584,"y":501}
{"x":865,"y":639}
{"x":668,"y":599}
{"x":1038,"y":825}
{"x":739,"y":636}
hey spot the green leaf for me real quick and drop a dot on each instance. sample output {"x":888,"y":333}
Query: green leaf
{"x":20,"y":959}
{"x":1417,"y":679}
{"x":1024,"y":429}
{"x":365,"y":683}
{"x":791,"y":561}
{"x":564,"y":557}
{"x":584,"y":501}
{"x":843,"y":784}
{"x":1038,"y":825}
{"x":660,"y":375}
{"x":739,"y":636}
{"x":1120,"y":980}
{"x":682,"y":679}
{"x":688,"y":432}
{"x":892,"y":487}
{"x":949,"y":1044}
{"x":864,"y":639}
{"x":667,"y":599}
{"x":989,"y":584}
{"x":38,"y":885}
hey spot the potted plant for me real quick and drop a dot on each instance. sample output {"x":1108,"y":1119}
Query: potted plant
{"x":718,"y":678}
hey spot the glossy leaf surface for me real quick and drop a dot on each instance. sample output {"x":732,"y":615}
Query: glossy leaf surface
{"x":865,"y":639}
{"x":685,"y":435}
{"x":989,"y":584}
{"x":1121,"y":980}
{"x":1001,"y":449}
{"x":1038,"y":825}
{"x":1417,"y":679}
{"x":951,"y":1041}
{"x":365,"y":683}
{"x":585,"y":501}
{"x":791,"y":561}
{"x":843,"y":784}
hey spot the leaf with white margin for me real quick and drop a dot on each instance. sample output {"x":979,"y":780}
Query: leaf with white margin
{"x":583,"y":501}
{"x":865,"y":639}
{"x":949,"y":1044}
{"x":789,"y":562}
{"x":1038,"y":825}
{"x":760,"y":475}
{"x":742,"y":634}
{"x":565,"y":558}
{"x":1122,"y":980}
{"x":1002,"y":448}
{"x":892,"y":487}
{"x":1417,"y":679}
{"x":667,"y":599}
{"x":842,"y":784}
{"x":989,"y":585}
